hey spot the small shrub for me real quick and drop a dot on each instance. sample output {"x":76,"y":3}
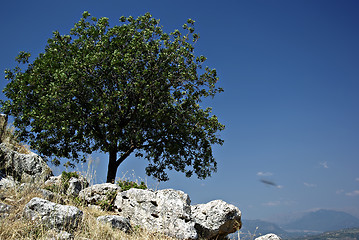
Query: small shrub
{"x":126,"y":185}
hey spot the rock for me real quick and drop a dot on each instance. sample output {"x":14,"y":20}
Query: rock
{"x":166,"y":211}
{"x":63,"y":235}
{"x":4,"y":209}
{"x":23,"y":167}
{"x":48,"y":195}
{"x":216,"y":219}
{"x":53,"y":181}
{"x":7,"y":182}
{"x":76,"y":185}
{"x":116,"y":222}
{"x":53,"y":215}
{"x":55,"y":235}
{"x":270,"y":236}
{"x":99,"y":192}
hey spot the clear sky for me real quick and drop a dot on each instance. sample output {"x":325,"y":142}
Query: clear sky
{"x":290,"y":71}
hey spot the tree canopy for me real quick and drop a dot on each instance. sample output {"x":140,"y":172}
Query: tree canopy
{"x":122,"y":90}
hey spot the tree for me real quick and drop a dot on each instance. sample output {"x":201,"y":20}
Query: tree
{"x":125,"y":89}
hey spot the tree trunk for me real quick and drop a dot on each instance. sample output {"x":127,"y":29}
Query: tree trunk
{"x":113,"y":163}
{"x":112,"y":167}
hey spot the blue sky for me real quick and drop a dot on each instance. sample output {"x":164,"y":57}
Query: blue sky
{"x":290,"y":71}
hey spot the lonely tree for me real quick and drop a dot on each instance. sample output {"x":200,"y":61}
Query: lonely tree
{"x":122,"y":90}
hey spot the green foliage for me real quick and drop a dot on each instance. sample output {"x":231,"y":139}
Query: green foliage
{"x":126,"y":185}
{"x":130,"y":88}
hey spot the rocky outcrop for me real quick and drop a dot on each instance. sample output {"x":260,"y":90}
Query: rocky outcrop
{"x":23,"y":167}
{"x":216,"y":219}
{"x":97,"y":193}
{"x":26,"y":167}
{"x":115,"y":221}
{"x":270,"y":236}
{"x":167,"y":211}
{"x":52,"y":215}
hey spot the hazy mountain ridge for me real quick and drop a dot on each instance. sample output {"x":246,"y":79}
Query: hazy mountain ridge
{"x":323,"y":221}
{"x":260,"y":227}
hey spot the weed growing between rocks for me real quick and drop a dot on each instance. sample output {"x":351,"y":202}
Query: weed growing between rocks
{"x":126,"y":185}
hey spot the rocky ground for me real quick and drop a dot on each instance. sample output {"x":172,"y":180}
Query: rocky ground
{"x":42,"y":206}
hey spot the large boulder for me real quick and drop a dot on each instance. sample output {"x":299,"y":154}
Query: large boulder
{"x":167,"y":211}
{"x":216,"y":219}
{"x":23,"y":167}
{"x":97,"y":193}
{"x":115,"y":221}
{"x":52,"y":215}
{"x":270,"y":236}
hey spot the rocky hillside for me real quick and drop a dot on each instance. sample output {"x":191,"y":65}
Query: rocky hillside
{"x":66,"y":207}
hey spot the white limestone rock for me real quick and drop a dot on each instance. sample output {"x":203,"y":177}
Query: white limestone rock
{"x":216,"y":219}
{"x":270,"y":236}
{"x":58,"y":235}
{"x":76,"y":185}
{"x":52,"y":215}
{"x":167,"y":211}
{"x":26,"y":167}
{"x":7,"y":182}
{"x":5,"y":209}
{"x":115,"y":221}
{"x":99,"y":192}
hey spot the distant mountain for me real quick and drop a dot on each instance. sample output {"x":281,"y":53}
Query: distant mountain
{"x":344,"y":234}
{"x":323,"y":221}
{"x":260,"y":226}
